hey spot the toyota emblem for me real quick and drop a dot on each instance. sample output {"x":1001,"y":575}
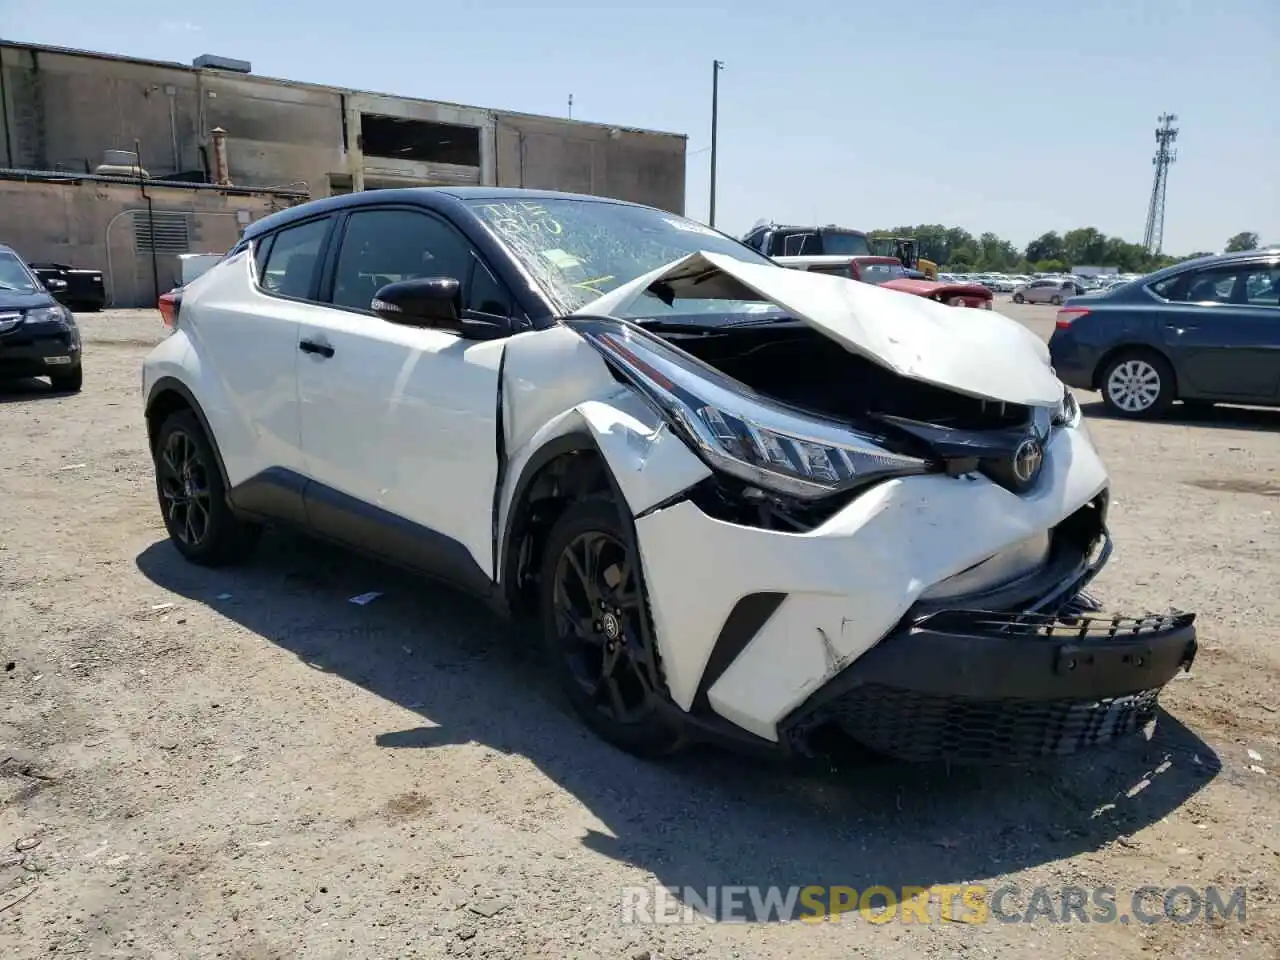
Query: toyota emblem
{"x":1027,"y":460}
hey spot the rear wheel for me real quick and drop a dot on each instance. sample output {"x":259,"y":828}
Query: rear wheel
{"x":595,"y":626}
{"x":1019,"y":298}
{"x":193,"y":498}
{"x":1138,"y":385}
{"x":1056,"y":300}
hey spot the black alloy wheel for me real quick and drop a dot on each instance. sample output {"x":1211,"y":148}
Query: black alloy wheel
{"x":183,"y":477}
{"x":193,"y":498}
{"x":594,"y":621}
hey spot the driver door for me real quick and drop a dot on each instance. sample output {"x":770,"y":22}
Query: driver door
{"x":399,"y":423}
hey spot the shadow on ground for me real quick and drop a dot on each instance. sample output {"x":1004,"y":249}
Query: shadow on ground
{"x":28,"y":389}
{"x":699,"y":820}
{"x":1217,"y":416}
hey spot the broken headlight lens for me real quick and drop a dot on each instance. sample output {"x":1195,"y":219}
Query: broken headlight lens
{"x":1068,"y":413}
{"x":738,"y":431}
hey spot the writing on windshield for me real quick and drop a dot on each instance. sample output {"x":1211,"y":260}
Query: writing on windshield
{"x":579,"y":249}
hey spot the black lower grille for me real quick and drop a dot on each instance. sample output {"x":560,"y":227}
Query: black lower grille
{"x":922,"y":727}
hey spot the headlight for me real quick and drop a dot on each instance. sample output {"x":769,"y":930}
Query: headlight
{"x":57,"y":314}
{"x":738,"y":431}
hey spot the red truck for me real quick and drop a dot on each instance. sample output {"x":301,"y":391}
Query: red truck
{"x":889,"y":272}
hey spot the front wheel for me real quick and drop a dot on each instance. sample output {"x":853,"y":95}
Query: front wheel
{"x":193,"y":498}
{"x":1138,"y":385}
{"x":596,"y":629}
{"x":1019,"y":298}
{"x":1056,"y":300}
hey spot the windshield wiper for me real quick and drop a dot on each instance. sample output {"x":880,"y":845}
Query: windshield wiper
{"x":8,"y":286}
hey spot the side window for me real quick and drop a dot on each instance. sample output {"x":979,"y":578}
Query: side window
{"x":384,"y":246}
{"x":1167,"y":289}
{"x":755,"y":240}
{"x":1211,"y":286}
{"x":1262,"y":287}
{"x":486,"y":294}
{"x":290,"y":264}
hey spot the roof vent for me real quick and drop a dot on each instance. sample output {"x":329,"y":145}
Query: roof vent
{"x":120,"y":163}
{"x":214,"y":62}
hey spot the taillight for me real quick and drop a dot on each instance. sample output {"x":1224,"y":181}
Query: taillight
{"x":170,"y":303}
{"x":1068,"y":315}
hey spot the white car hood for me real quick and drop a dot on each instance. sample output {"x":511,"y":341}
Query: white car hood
{"x":975,"y":352}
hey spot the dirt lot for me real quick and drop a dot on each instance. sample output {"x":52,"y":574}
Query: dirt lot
{"x":246,"y":765}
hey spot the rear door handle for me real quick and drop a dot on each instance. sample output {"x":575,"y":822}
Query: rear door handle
{"x":312,"y":346}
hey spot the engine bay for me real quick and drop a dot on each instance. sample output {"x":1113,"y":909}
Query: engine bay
{"x":800,"y":366}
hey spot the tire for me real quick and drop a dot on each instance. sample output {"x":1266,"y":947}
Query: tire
{"x":1056,"y":300}
{"x":68,"y":382}
{"x":1019,"y":298}
{"x":586,"y":623}
{"x":1138,"y":385}
{"x":193,"y":498}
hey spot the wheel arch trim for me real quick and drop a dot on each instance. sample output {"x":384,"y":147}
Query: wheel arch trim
{"x":172,"y":385}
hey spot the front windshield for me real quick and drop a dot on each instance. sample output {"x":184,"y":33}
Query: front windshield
{"x":14,"y":276}
{"x":838,"y":243}
{"x":581,"y":249}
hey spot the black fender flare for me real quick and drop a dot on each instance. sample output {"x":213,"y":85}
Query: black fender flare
{"x":166,"y":385}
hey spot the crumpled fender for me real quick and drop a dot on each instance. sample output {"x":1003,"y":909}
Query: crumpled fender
{"x":552,"y":389}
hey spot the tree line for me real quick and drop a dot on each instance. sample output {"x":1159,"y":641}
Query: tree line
{"x":955,"y":249}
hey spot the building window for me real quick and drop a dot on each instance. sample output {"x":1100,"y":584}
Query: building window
{"x":399,"y":138}
{"x":162,"y":231}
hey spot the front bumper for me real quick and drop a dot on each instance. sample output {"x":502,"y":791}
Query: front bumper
{"x":976,"y":687}
{"x":38,"y":349}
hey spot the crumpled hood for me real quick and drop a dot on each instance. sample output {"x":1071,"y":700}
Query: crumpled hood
{"x":975,"y":352}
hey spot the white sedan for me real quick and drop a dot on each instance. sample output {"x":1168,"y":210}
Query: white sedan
{"x":743,"y":503}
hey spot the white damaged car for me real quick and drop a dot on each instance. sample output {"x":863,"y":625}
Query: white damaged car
{"x":743,"y":503}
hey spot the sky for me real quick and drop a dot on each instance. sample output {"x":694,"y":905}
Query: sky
{"x":1010,"y":117}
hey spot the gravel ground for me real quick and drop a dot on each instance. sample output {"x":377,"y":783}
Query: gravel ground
{"x":243,"y":764}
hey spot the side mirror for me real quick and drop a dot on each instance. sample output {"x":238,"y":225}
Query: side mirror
{"x":55,"y":285}
{"x":425,"y":302}
{"x":435,"y":302}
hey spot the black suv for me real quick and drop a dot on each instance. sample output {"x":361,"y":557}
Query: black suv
{"x":38,"y":335}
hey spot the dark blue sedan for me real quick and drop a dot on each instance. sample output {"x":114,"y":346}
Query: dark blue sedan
{"x":1205,"y":331}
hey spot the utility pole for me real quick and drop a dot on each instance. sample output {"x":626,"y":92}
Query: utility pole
{"x":571,"y":106}
{"x":716,"y":67}
{"x":1166,"y":134}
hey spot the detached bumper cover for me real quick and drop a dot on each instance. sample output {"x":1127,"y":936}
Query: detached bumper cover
{"x":977,"y":687}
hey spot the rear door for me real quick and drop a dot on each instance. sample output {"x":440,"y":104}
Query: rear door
{"x":245,"y":316}
{"x":1222,"y":328}
{"x":399,"y":423}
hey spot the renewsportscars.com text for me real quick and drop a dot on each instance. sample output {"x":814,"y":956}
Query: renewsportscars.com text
{"x":969,"y":903}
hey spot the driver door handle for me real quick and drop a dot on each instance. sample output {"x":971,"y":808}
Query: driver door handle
{"x":312,"y":346}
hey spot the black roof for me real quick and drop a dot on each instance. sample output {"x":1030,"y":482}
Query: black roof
{"x":432,"y":197}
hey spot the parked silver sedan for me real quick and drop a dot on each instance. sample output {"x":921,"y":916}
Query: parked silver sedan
{"x":1046,"y":291}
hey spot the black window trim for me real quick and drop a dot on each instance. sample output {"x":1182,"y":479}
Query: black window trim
{"x":328,"y":271}
{"x":325,"y":242}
